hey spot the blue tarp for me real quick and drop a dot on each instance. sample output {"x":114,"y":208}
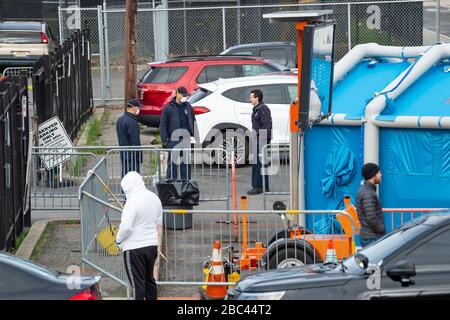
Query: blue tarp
{"x":350,"y":95}
{"x":340,"y":169}
{"x":319,"y":142}
{"x":415,"y":163}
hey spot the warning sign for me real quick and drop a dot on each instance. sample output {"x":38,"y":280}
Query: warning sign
{"x":51,"y":134}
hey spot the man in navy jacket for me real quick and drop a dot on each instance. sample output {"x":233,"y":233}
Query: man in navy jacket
{"x":129,"y":135}
{"x":176,"y":128}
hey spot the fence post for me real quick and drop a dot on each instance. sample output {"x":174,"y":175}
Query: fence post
{"x":60,"y":26}
{"x":438,"y":21}
{"x":102,"y":53}
{"x":106,"y":35}
{"x":349,"y":13}
{"x":224,"y":28}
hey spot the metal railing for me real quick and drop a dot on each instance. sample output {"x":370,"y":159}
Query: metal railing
{"x":258,"y":240}
{"x":187,"y":251}
{"x":62,"y":83}
{"x":275,"y":161}
{"x":14,"y":157}
{"x":59,"y":172}
{"x":167,"y":32}
{"x":17,"y":71}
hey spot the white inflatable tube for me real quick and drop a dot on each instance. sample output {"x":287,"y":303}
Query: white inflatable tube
{"x":377,"y":105}
{"x":372,"y":50}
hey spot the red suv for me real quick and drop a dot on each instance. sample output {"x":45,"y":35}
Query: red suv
{"x":157,"y":87}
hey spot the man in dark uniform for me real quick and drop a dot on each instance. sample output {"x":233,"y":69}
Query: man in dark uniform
{"x":176,"y":128}
{"x":262,"y":133}
{"x":129,"y":135}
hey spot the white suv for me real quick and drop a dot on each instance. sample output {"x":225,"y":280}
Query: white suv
{"x":224,"y":104}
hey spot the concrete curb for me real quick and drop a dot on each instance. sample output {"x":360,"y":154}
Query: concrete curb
{"x":34,"y":234}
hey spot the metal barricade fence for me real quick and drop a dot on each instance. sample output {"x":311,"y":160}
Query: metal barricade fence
{"x":17,"y":71}
{"x":395,"y":217}
{"x":59,"y":172}
{"x":259,"y":241}
{"x":275,"y":161}
{"x":188,"y":250}
{"x":201,"y":165}
{"x":56,"y":177}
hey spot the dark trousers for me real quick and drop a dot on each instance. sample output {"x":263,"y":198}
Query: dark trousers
{"x":257,"y":177}
{"x":179,"y":165}
{"x":130,"y":161}
{"x":139,"y":265}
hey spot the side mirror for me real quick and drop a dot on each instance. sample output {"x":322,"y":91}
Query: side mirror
{"x":402,"y":272}
{"x":362,"y":261}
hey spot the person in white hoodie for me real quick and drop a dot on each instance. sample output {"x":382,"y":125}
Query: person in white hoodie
{"x":138,"y":235}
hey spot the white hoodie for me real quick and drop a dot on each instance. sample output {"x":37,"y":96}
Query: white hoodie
{"x":141,"y":215}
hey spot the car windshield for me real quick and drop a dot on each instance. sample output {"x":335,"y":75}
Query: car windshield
{"x":279,"y":66}
{"x":21,"y":37}
{"x":377,"y":251}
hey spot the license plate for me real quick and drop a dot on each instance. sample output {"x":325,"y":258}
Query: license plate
{"x":20,"y":53}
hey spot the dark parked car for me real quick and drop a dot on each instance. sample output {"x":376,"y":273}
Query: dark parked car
{"x":284,"y":53}
{"x":22,"y":279}
{"x":412,"y":262}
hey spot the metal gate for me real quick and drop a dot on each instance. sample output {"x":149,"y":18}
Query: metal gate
{"x":14,"y":156}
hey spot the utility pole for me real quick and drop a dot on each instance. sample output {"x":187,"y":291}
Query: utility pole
{"x":130,"y":50}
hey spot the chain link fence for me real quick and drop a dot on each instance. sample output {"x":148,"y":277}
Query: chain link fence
{"x":165,"y":32}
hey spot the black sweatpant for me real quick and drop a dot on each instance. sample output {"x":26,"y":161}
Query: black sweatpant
{"x":139,"y":265}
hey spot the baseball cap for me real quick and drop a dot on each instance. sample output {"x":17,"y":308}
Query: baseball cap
{"x":133,"y":103}
{"x":182,"y":91}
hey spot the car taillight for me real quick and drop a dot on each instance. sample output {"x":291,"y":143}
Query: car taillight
{"x":85,"y":295}
{"x":142,"y":91}
{"x":44,"y":38}
{"x":201,"y":110}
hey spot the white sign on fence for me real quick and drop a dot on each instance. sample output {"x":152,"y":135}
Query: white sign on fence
{"x":51,"y":134}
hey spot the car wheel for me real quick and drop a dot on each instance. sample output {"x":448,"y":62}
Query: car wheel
{"x":284,"y":234}
{"x":289,"y":257}
{"x":240,"y":146}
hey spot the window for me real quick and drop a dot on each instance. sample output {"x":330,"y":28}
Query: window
{"x":277,"y":55}
{"x":235,"y":94}
{"x":22,"y":37}
{"x":272,"y":94}
{"x":255,"y":69}
{"x":241,"y":53}
{"x":213,"y":73}
{"x":198,"y":95}
{"x":293,"y":92}
{"x":164,"y":74}
{"x":434,"y":252}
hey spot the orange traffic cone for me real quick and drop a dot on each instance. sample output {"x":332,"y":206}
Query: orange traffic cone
{"x":331,"y":253}
{"x":216,"y":274}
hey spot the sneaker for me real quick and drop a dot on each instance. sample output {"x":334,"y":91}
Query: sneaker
{"x":254,"y":191}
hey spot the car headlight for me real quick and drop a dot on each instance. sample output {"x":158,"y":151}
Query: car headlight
{"x":277,"y":295}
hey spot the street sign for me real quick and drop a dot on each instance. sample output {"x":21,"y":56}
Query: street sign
{"x":317,"y":73}
{"x":51,"y":134}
